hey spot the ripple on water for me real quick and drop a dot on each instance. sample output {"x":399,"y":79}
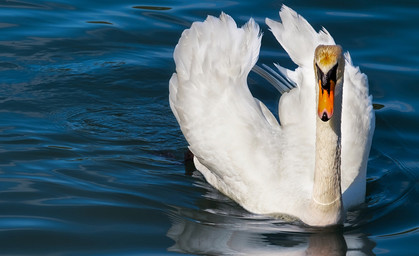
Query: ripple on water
{"x":153,"y":8}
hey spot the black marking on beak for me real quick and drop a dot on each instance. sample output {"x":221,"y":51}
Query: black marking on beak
{"x":325,"y":118}
{"x":326,"y":78}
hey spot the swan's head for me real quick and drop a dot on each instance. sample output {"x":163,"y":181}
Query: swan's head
{"x":328,"y":67}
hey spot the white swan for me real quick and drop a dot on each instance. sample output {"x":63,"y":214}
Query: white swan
{"x":313,"y":165}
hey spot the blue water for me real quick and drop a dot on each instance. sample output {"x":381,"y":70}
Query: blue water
{"x":91,"y":157}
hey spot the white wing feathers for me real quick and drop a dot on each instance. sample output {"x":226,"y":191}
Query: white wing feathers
{"x":299,"y":40}
{"x":211,"y":101}
{"x":358,"y":123}
{"x":297,"y":36}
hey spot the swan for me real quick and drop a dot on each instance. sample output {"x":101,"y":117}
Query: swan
{"x":311,"y":165}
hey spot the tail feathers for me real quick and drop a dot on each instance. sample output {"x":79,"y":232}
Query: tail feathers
{"x":297,"y":36}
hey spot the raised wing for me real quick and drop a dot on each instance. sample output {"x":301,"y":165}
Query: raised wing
{"x":229,"y":132}
{"x":358,"y":123}
{"x":298,"y":37}
{"x":299,"y":40}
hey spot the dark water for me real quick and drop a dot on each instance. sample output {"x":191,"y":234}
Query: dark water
{"x":91,"y":156}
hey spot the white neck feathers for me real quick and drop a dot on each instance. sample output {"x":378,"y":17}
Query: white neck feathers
{"x":326,"y":207}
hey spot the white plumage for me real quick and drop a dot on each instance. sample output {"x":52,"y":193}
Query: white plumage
{"x":239,"y":146}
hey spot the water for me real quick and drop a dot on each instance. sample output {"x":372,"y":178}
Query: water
{"x":91,"y":158}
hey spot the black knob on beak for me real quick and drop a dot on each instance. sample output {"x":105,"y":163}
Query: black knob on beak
{"x":324,"y":117}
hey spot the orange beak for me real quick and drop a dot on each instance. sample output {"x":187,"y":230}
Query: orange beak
{"x":326,"y":97}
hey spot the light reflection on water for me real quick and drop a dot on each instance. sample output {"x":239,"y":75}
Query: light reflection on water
{"x":261,"y":238}
{"x":91,"y":157}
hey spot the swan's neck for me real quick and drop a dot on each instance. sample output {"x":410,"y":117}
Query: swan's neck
{"x":326,"y":202}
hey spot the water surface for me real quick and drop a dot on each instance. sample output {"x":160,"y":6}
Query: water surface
{"x":91,"y":157}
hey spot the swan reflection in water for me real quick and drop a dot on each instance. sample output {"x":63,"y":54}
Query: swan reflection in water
{"x":220,"y":227}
